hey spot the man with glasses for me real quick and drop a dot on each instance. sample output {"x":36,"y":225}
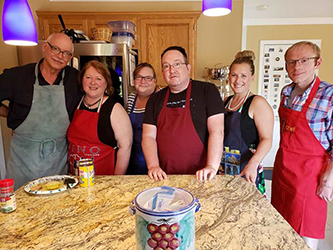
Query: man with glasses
{"x":303,"y":170}
{"x":42,"y":99}
{"x":183,"y":123}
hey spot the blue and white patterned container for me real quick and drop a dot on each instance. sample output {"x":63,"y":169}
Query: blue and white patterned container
{"x":168,"y":229}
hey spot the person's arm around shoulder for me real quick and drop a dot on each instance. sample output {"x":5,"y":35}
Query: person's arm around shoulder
{"x":263,"y":117}
{"x":149,"y":147}
{"x":123,"y":133}
{"x":215,"y":126}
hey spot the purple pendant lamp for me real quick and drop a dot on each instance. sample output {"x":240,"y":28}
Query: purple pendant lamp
{"x":18,"y":25}
{"x":216,"y":7}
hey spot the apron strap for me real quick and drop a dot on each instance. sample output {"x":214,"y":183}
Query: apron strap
{"x":247,"y":96}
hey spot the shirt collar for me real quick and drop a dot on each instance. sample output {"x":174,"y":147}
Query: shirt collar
{"x":287,"y":91}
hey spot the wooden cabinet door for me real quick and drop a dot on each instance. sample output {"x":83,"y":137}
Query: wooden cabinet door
{"x":158,"y":34}
{"x":51,"y":24}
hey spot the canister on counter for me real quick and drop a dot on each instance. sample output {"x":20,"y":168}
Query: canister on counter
{"x":7,"y":196}
{"x":87,"y":172}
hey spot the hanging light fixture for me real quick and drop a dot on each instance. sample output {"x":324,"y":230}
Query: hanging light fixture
{"x":18,"y":25}
{"x":216,"y":7}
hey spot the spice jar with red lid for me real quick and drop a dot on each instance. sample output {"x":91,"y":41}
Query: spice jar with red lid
{"x":7,"y":196}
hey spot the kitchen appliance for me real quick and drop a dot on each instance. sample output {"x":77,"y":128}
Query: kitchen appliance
{"x":168,"y":228}
{"x":221,"y":74}
{"x":75,"y":35}
{"x":119,"y":59}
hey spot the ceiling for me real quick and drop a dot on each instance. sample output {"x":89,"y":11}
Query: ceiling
{"x":277,"y":9}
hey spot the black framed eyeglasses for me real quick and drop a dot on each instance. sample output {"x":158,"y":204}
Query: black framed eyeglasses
{"x":147,"y":78}
{"x":302,"y":61}
{"x":55,"y":50}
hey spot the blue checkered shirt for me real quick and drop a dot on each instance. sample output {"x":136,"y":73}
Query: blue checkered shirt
{"x":319,"y":114}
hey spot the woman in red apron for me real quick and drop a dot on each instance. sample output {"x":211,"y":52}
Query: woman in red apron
{"x":100,"y":128}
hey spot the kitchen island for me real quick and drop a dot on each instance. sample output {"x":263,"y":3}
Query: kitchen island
{"x":233,"y":215}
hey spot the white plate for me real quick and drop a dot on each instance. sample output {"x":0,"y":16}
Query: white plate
{"x":36,"y":182}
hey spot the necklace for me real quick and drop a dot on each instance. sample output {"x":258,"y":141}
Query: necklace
{"x":241,"y":101}
{"x":90,"y":105}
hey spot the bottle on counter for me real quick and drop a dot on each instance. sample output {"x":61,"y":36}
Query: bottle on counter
{"x":7,"y":196}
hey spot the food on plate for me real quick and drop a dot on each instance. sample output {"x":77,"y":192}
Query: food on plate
{"x":48,"y":185}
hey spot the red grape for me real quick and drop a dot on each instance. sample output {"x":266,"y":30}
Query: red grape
{"x":159,"y":248}
{"x":157,"y":236}
{"x":168,"y":236}
{"x":152,"y":228}
{"x":174,"y":243}
{"x":163,"y":229}
{"x":152,"y":243}
{"x":174,"y":228}
{"x":163,"y":243}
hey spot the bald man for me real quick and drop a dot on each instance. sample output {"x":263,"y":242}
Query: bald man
{"x":42,"y":99}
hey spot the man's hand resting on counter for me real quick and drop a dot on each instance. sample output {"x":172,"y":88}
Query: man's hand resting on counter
{"x":157,"y":174}
{"x":206,"y":173}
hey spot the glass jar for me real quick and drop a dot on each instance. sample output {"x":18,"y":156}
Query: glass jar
{"x":7,"y":196}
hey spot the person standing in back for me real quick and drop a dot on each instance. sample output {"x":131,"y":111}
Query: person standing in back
{"x":145,"y":85}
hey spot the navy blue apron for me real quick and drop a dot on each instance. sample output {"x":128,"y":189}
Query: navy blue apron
{"x":137,"y":163}
{"x":239,"y":154}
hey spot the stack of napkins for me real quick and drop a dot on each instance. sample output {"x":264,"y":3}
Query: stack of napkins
{"x":167,"y":199}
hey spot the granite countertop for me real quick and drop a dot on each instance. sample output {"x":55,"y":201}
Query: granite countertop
{"x":233,"y":215}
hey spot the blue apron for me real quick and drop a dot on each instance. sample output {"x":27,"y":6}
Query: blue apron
{"x":137,"y":163}
{"x":234,"y":161}
{"x":39,"y":145}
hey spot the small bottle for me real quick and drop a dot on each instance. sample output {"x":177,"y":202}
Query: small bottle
{"x":7,"y":196}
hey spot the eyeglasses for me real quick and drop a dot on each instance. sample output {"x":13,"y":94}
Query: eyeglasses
{"x":55,"y":50}
{"x":176,"y":65}
{"x":302,"y":61}
{"x":147,"y":78}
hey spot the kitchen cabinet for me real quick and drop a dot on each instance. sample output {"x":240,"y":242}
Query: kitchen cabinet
{"x":155,"y":31}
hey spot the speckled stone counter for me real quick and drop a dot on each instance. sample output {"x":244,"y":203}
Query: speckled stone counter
{"x":233,"y":215}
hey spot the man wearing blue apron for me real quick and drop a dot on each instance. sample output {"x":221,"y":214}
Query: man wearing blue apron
{"x":42,"y":99}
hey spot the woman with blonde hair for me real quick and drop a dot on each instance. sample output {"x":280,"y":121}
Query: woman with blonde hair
{"x":248,"y":124}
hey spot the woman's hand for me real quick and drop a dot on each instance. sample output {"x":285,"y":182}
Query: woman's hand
{"x":206,"y":173}
{"x":250,"y":172}
{"x":157,"y":173}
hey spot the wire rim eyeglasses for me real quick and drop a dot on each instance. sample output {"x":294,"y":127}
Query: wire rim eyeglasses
{"x":302,"y":61}
{"x":176,"y":65}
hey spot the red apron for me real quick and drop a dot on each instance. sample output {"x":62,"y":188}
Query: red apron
{"x":299,"y":163}
{"x":180,"y":148}
{"x":84,"y":142}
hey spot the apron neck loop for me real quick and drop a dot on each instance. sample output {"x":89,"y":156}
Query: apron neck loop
{"x":62,"y":73}
{"x":99,"y":103}
{"x":247,"y":96}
